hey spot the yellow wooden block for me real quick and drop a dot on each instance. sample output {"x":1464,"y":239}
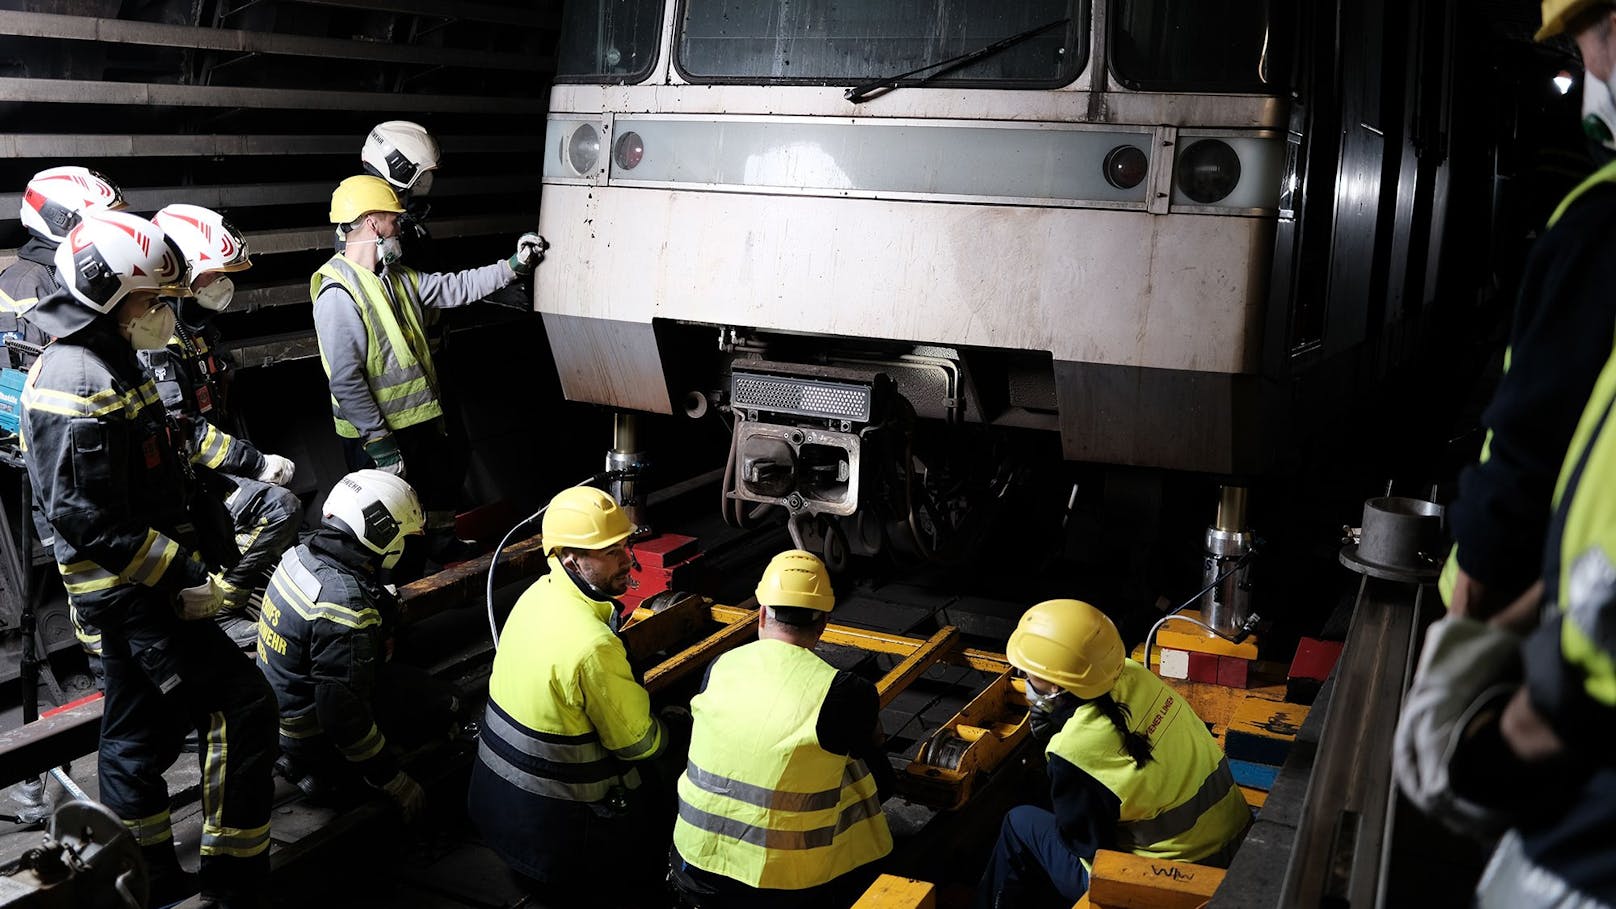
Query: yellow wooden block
{"x":1256,"y":798}
{"x":1123,"y":881}
{"x":1269,"y":719}
{"x":1184,"y":636}
{"x":892,"y":892}
{"x":1083,"y":903}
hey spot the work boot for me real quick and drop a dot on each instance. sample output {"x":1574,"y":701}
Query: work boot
{"x":167,"y":883}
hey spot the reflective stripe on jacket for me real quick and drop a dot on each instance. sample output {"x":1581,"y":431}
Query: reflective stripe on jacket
{"x":760,"y":801}
{"x":564,"y":710}
{"x":1582,"y":546}
{"x":398,"y":366}
{"x":1183,"y":804}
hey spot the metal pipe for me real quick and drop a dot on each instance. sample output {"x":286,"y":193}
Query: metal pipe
{"x":1231,"y":509}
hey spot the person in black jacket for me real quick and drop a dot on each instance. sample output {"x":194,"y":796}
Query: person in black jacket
{"x":115,"y":493}
{"x":324,"y":640}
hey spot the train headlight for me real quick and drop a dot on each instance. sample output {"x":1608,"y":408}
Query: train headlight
{"x":1208,"y":171}
{"x":583,"y":149}
{"x":1125,"y":166}
{"x":628,"y":151}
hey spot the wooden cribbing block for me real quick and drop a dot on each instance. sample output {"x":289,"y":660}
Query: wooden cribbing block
{"x":1262,"y":731}
{"x":1255,"y":798}
{"x":892,"y":892}
{"x":1124,"y":881}
{"x":1253,"y":776}
{"x":1185,"y":636}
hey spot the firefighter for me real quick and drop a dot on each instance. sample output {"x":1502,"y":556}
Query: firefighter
{"x":115,"y":492}
{"x":191,"y":374}
{"x":51,"y":205}
{"x":780,"y":804}
{"x":324,"y":643}
{"x":556,"y":790}
{"x":368,"y":309}
{"x":1132,"y":769}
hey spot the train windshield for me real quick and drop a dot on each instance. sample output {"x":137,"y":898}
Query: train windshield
{"x":608,"y":40}
{"x":850,"y":41}
{"x":1202,"y":45}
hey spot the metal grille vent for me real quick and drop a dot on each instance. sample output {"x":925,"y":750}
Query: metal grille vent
{"x":801,"y":397}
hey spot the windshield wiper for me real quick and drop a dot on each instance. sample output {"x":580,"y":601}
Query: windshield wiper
{"x":875,"y":89}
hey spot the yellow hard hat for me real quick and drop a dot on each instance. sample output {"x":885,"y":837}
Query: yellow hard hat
{"x":796,"y":578}
{"x":358,"y":196}
{"x":1070,"y":643}
{"x":583,"y":517}
{"x":1557,"y":13}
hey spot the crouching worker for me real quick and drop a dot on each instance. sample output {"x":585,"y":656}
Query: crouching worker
{"x":323,"y":645}
{"x":780,"y":805}
{"x":1133,"y":769}
{"x":557,"y":788}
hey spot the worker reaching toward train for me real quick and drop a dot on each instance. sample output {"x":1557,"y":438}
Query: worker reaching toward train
{"x":557,"y":790}
{"x":780,"y":804}
{"x":368,"y":309}
{"x":324,"y":643}
{"x":52,"y":204}
{"x":1133,"y":769}
{"x":115,"y":491}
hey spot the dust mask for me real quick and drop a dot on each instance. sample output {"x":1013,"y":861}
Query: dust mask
{"x":1599,"y":110}
{"x":151,"y":329}
{"x":216,"y":296}
{"x":1043,"y":703}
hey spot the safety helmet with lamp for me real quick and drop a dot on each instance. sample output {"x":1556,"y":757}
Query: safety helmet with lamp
{"x":583,"y":517}
{"x":358,"y":196}
{"x":402,"y":153}
{"x":1069,"y":643}
{"x":56,"y":198}
{"x":797,"y":579}
{"x":379,"y":510}
{"x":210,"y":244}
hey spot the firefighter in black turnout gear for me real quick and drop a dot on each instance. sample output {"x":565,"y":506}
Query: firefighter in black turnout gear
{"x":118,"y":497}
{"x":190,"y":375}
{"x":324,"y":642}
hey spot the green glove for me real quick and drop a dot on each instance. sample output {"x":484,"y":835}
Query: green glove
{"x":529,"y":253}
{"x":386,"y":455}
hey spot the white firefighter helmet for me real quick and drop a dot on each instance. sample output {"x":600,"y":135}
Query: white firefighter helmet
{"x":379,"y":510}
{"x":210,"y":244}
{"x":55,"y":199}
{"x":402,"y":153}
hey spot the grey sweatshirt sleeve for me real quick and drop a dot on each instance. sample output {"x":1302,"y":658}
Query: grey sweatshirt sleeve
{"x":344,"y":346}
{"x":446,"y":289}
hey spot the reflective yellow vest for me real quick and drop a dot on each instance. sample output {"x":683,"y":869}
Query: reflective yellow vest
{"x":1450,"y":569}
{"x":760,"y":801}
{"x":398,"y":365}
{"x":564,"y":710}
{"x":1183,"y":804}
{"x":1582,"y":545}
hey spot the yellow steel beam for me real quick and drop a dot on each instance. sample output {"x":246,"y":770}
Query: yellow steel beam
{"x":740,"y":631}
{"x":881,"y":642}
{"x":918,"y":661}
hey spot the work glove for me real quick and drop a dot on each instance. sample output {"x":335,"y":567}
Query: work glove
{"x":407,"y":794}
{"x":277,"y":470}
{"x":1467,"y":667}
{"x":202,"y":601}
{"x":385,"y":452}
{"x":529,"y":253}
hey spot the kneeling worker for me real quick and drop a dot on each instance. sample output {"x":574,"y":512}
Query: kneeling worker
{"x":556,"y":790}
{"x":1133,"y":769}
{"x":322,"y":640}
{"x":780,"y":805}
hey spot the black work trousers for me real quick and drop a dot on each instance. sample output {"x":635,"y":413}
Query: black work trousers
{"x":164,"y":675}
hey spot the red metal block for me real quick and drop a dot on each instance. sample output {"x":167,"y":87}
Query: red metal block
{"x":1314,"y":659}
{"x":1233,"y":671}
{"x":1204,"y":667}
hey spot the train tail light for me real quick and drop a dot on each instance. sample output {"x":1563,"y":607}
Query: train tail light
{"x":1208,"y":171}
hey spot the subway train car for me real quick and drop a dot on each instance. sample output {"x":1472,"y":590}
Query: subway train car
{"x":1138,"y":224}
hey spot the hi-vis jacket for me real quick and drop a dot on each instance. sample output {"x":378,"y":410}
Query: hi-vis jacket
{"x":105,"y":475}
{"x":1183,"y":804}
{"x":761,"y":802}
{"x":372,"y":343}
{"x":565,"y":716}
{"x":321,"y":641}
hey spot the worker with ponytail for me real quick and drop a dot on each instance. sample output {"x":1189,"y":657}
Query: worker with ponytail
{"x":1131,"y":767}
